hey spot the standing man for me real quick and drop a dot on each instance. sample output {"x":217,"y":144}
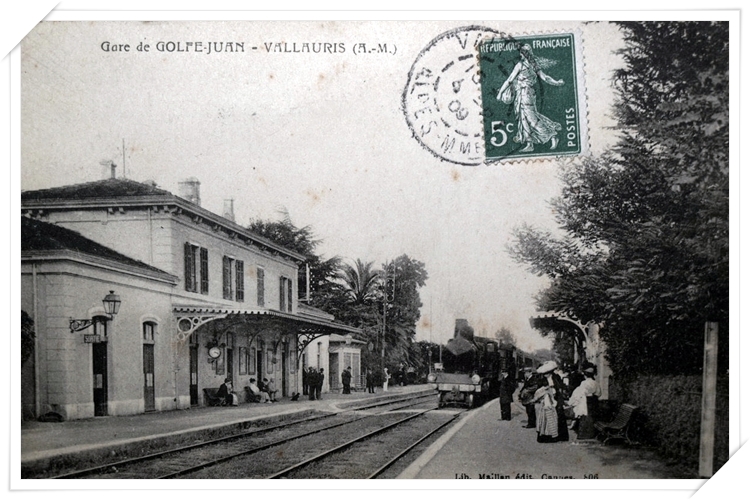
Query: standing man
{"x":319,"y":385}
{"x":526,"y":397}
{"x":506,"y":394}
{"x":370,"y":382}
{"x":312,"y":381}
{"x":346,"y":379}
{"x":305,"y":381}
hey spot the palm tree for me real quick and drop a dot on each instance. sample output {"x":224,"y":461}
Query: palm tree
{"x":360,"y":281}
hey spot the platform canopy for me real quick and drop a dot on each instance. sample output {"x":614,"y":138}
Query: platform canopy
{"x":306,"y":327}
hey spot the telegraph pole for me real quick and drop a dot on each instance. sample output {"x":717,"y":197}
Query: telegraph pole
{"x":389,"y":287}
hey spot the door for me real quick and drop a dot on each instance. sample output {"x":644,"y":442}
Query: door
{"x":259,"y":362}
{"x":284,"y":357}
{"x":99,"y":353}
{"x":230,"y":364}
{"x":194,"y":375}
{"x":333,"y":371}
{"x":149,"y":402}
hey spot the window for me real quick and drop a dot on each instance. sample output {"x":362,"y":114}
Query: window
{"x":220,"y":362}
{"x":233,"y":279}
{"x":196,"y":268}
{"x":100,"y":326}
{"x":149,"y":329}
{"x":269,"y":360}
{"x":251,"y":356}
{"x":243,"y":361}
{"x":285,"y":294}
{"x":261,"y":287}
{"x":240,"y":280}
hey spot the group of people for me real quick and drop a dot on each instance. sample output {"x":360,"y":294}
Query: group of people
{"x":263,"y":392}
{"x":312,"y":382}
{"x":553,"y":396}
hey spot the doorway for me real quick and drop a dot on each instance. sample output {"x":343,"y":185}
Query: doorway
{"x":99,"y":355}
{"x":149,"y":399}
{"x":194,"y":375}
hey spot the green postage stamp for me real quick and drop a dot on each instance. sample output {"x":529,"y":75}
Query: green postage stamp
{"x":530,"y":96}
{"x":476,"y":95}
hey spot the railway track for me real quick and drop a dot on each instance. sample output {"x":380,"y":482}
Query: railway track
{"x":185,"y":460}
{"x":369,"y":455}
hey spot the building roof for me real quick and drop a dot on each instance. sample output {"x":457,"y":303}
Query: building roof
{"x":42,"y":237}
{"x":106,"y":188}
{"x":121,"y":192}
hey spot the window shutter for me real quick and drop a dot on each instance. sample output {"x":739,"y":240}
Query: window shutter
{"x":282,"y":294}
{"x":289,"y":295}
{"x":204,"y":270}
{"x":227,"y":274}
{"x":261,"y":288}
{"x":189,"y":268}
{"x":240,"y":281}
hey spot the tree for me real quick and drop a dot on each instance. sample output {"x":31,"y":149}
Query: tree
{"x":325,"y":291}
{"x":646,"y":225}
{"x":360,"y":281}
{"x":505,"y":337}
{"x":402,"y":314}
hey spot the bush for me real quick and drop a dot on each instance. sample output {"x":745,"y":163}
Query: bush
{"x":670,"y":414}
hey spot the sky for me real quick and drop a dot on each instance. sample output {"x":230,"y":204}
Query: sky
{"x":321,"y":136}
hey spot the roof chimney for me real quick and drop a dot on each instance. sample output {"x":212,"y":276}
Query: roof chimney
{"x":108,"y":169}
{"x":229,"y":209}
{"x":190,"y":189}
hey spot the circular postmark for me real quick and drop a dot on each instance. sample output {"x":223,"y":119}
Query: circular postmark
{"x":442,"y":100}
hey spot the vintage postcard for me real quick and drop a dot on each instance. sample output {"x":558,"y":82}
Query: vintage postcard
{"x":395,"y":249}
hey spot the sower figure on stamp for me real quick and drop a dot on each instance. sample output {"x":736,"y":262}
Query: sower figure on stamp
{"x":506,"y":395}
{"x":532,"y":126}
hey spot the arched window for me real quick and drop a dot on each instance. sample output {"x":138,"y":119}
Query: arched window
{"x":149,"y":331}
{"x":100,"y":325}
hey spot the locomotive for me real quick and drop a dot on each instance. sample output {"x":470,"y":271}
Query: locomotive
{"x":471,"y":368}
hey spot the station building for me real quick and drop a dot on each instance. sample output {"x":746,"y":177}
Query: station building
{"x":200,"y":299}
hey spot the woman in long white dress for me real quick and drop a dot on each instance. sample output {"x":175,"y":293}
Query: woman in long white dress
{"x":519,"y":88}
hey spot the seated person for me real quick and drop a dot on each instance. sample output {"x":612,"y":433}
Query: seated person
{"x":225,"y":392}
{"x":255,"y":394}
{"x":271,"y":390}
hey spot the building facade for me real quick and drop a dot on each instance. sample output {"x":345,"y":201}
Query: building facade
{"x":202,"y":299}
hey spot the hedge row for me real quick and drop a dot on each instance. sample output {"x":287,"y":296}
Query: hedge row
{"x":670,"y":414}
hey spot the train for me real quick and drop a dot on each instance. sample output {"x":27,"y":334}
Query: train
{"x":470,"y":368}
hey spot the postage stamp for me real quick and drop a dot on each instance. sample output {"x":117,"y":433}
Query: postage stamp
{"x":475,"y":95}
{"x":530,"y":98}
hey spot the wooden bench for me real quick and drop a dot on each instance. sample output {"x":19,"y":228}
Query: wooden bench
{"x":211,"y":399}
{"x":619,"y":426}
{"x":251,"y":397}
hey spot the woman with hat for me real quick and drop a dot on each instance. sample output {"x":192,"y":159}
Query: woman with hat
{"x":550,"y":399}
{"x":579,"y":402}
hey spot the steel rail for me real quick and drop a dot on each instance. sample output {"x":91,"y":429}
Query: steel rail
{"x":131,"y":461}
{"x":412,"y":446}
{"x":346,"y":445}
{"x":211,"y":463}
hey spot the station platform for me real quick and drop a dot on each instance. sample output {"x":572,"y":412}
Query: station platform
{"x":50,"y":445}
{"x":482,"y":446}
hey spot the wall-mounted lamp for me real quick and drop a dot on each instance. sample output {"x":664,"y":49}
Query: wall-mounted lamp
{"x":348,"y":338}
{"x":111,"y":306}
